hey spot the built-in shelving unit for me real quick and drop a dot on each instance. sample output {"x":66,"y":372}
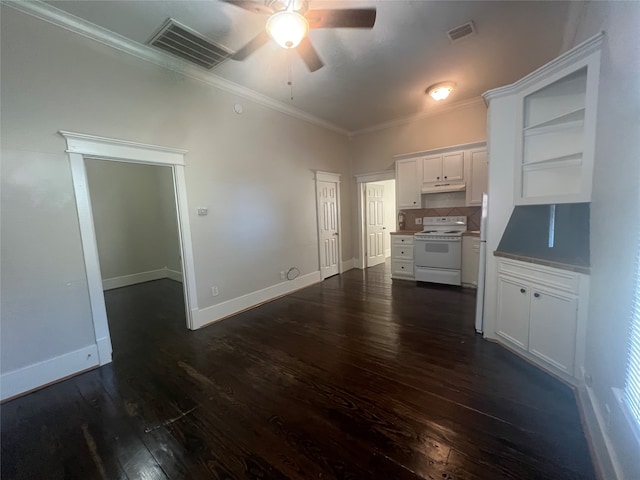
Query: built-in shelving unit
{"x":553,"y":139}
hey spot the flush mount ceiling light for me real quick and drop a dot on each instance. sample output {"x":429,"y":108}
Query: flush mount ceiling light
{"x":440,"y":91}
{"x":287,"y":28}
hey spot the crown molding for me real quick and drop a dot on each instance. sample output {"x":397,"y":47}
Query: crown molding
{"x":413,"y":118}
{"x":60,"y":18}
{"x":579,"y":52}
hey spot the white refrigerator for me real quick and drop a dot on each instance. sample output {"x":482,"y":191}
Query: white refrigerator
{"x":482,"y":265}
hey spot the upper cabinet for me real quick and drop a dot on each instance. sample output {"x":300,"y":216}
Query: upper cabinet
{"x":555,"y":113}
{"x":448,"y":166}
{"x":477,"y":176}
{"x":408,"y":182}
{"x":464,"y":165}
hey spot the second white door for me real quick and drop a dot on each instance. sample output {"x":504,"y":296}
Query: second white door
{"x":375,"y":224}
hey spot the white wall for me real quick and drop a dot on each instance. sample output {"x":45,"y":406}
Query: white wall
{"x":374,"y":151}
{"x":134,"y":217}
{"x":253,"y":171}
{"x":615,"y":204}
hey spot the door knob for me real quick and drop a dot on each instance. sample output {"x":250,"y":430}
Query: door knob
{"x":335,"y":234}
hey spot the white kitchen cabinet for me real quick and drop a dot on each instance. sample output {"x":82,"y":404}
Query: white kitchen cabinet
{"x":470,"y":259}
{"x":402,"y":257}
{"x":408,"y":182}
{"x":552,"y":329}
{"x":512,"y":322}
{"x":541,"y":313}
{"x":477,"y":176}
{"x":446,"y":166}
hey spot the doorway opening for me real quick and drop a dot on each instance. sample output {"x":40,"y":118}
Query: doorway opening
{"x":82,"y":149}
{"x":376,"y":217}
{"x":136,"y":228}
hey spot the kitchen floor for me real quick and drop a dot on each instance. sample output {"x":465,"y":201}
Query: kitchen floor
{"x":357,"y":377}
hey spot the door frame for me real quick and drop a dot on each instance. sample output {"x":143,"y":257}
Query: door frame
{"x":81,"y":147}
{"x":361,"y":181}
{"x":321,"y":176}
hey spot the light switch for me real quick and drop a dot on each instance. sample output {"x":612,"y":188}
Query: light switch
{"x":203,"y":211}
{"x":418,"y":221}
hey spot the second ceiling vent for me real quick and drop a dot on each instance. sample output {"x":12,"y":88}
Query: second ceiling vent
{"x":188,"y":44}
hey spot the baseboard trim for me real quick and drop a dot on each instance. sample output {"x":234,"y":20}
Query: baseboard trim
{"x":215,"y":313}
{"x":348,"y":264}
{"x":126,"y":280}
{"x":174,"y":275}
{"x":41,"y":374}
{"x":604,"y":456}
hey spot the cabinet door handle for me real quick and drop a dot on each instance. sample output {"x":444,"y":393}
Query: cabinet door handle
{"x":414,"y":203}
{"x":402,"y":253}
{"x":537,"y":295}
{"x":445,"y":177}
{"x":522,"y":290}
{"x":437,"y":178}
{"x":402,"y":267}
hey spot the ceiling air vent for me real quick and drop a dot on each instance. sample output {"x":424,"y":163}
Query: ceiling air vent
{"x":188,"y":44}
{"x":458,"y":33}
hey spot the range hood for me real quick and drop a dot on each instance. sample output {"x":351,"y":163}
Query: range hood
{"x":441,"y":187}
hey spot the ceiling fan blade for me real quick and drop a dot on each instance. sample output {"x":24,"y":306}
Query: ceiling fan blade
{"x":345,"y":18}
{"x":258,"y":41}
{"x":309,"y":55}
{"x":255,"y":7}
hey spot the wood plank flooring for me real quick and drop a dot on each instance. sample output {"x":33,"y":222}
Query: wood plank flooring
{"x":355,"y":378}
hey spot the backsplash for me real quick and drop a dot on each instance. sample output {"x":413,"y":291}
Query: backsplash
{"x":472,"y":213}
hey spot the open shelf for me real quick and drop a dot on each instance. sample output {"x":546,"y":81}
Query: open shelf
{"x":554,"y":162}
{"x":574,"y":117}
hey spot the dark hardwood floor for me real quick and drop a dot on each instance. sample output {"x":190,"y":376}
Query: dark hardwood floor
{"x":354,"y":378}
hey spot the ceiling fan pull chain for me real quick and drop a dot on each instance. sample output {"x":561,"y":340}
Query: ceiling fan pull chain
{"x":290,"y":81}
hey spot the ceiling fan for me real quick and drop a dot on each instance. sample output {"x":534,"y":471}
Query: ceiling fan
{"x":289,"y":23}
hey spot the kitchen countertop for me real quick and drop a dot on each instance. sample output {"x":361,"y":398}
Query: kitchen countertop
{"x":468,"y":233}
{"x":545,"y":263}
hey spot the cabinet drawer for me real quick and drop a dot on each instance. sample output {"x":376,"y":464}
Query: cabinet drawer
{"x":550,"y":277}
{"x":402,"y":252}
{"x":401,"y":239}
{"x":401,"y":268}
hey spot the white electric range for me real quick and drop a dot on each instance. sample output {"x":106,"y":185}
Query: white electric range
{"x":437,"y":250}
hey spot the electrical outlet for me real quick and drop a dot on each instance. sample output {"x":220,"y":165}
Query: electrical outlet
{"x":214,"y":291}
{"x":283,"y":276}
{"x":202,"y":211}
{"x":418,"y":221}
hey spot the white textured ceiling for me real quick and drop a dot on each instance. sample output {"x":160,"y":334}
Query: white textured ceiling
{"x":370,"y":76}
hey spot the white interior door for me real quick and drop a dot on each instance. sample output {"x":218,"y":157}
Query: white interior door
{"x":375,"y":224}
{"x":329,"y":230}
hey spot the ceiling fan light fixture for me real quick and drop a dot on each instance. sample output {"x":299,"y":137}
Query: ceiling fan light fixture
{"x":287,"y":28}
{"x":440,"y":91}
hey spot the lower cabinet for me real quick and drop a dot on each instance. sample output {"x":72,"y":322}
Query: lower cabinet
{"x":402,"y":257}
{"x":539,"y":313}
{"x":470,"y":260}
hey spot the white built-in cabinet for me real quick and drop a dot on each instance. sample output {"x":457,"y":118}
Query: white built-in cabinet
{"x":541,"y":313}
{"x":554,"y":127}
{"x":402,"y":257}
{"x":408,"y":182}
{"x":464,"y":163}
